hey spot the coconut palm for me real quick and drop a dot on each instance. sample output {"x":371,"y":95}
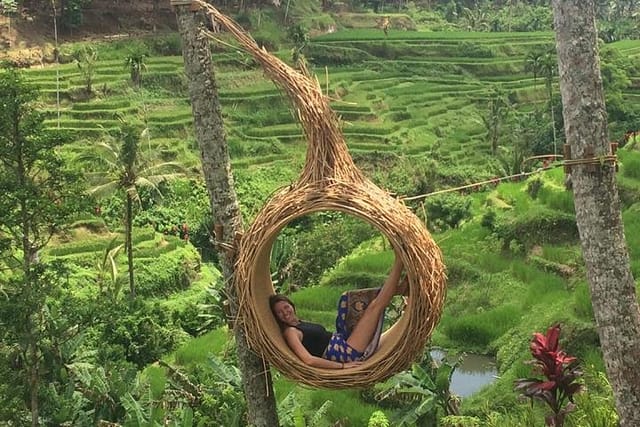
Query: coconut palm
{"x":127,"y":168}
{"x":549,"y":69}
{"x":533,"y":64}
{"x":497,"y":111}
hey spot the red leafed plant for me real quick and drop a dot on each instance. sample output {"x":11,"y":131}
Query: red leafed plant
{"x":560,"y":373}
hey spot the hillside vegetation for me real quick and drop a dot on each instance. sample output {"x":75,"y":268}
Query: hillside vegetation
{"x":421,"y":112}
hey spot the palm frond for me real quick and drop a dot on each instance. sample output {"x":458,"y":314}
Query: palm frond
{"x":104,"y":189}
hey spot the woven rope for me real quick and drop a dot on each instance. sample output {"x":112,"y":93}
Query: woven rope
{"x":331,"y":181}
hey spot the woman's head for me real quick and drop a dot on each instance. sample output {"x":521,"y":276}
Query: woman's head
{"x":283,"y":309}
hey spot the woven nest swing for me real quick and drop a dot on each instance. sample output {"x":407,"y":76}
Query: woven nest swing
{"x":331,"y":181}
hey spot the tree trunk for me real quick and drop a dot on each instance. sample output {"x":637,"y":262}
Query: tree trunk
{"x":216,"y":167}
{"x":598,"y":215}
{"x":128,"y":239}
{"x":30,"y":254}
{"x":549,"y":85}
{"x":34,"y":382}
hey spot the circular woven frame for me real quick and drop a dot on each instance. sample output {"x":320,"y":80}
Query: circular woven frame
{"x":423,"y":264}
{"x":331,"y":181}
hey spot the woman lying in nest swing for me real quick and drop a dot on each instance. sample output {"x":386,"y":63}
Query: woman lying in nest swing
{"x":319,"y":348}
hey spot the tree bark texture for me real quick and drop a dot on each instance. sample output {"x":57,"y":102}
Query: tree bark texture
{"x":216,"y":167}
{"x":597,"y":204}
{"x":129,"y":243}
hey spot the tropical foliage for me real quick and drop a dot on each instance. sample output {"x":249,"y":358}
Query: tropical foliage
{"x":423,"y":111}
{"x":561,"y":374}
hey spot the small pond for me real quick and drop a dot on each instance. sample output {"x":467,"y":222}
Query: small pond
{"x":472,"y":374}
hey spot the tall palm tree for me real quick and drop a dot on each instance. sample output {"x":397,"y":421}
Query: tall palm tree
{"x":543,"y":63}
{"x":533,"y":64}
{"x":549,"y":69}
{"x":497,"y":110}
{"x":597,"y":203}
{"x":128,"y":169}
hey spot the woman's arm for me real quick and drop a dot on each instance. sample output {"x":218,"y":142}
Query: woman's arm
{"x":393,"y":278}
{"x":293,"y":337}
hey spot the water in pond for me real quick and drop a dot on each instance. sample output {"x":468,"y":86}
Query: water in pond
{"x":471,"y":375}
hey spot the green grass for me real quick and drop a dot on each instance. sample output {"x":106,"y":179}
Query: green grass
{"x":479,"y":330}
{"x":198,"y":350}
{"x":318,"y":298}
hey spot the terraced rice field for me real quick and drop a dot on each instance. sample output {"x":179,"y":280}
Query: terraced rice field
{"x":411,"y":93}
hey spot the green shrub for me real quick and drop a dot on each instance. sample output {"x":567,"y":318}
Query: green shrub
{"x":595,"y":407}
{"x":447,"y":211}
{"x":378,"y":419}
{"x":325,"y":238}
{"x":95,"y":225}
{"x":400,"y":116}
{"x":460,"y":421}
{"x":77,"y":247}
{"x":580,"y":337}
{"x":629,"y":191}
{"x":190,"y":319}
{"x":459,"y":270}
{"x":631,"y":167}
{"x":138,"y":333}
{"x":166,"y":273}
{"x":488,"y":220}
{"x":538,"y":225}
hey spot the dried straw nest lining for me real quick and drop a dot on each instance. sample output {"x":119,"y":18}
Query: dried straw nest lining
{"x":331,"y":181}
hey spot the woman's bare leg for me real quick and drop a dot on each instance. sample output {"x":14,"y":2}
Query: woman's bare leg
{"x":366,"y":328}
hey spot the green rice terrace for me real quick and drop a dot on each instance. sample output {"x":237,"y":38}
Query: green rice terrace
{"x":406,"y":105}
{"x":421,"y":112}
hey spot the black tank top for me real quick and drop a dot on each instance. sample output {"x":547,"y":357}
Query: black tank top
{"x":315,"y":338}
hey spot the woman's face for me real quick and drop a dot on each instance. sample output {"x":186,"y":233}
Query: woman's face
{"x":285,"y":313}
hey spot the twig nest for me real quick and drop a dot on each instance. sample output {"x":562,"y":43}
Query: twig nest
{"x":331,"y":181}
{"x":405,"y":340}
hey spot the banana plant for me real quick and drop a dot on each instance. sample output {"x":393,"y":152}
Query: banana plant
{"x":109,"y":281}
{"x":292,"y":414}
{"x":423,"y":390}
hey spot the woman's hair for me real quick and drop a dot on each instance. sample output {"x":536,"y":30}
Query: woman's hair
{"x":273,"y":300}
